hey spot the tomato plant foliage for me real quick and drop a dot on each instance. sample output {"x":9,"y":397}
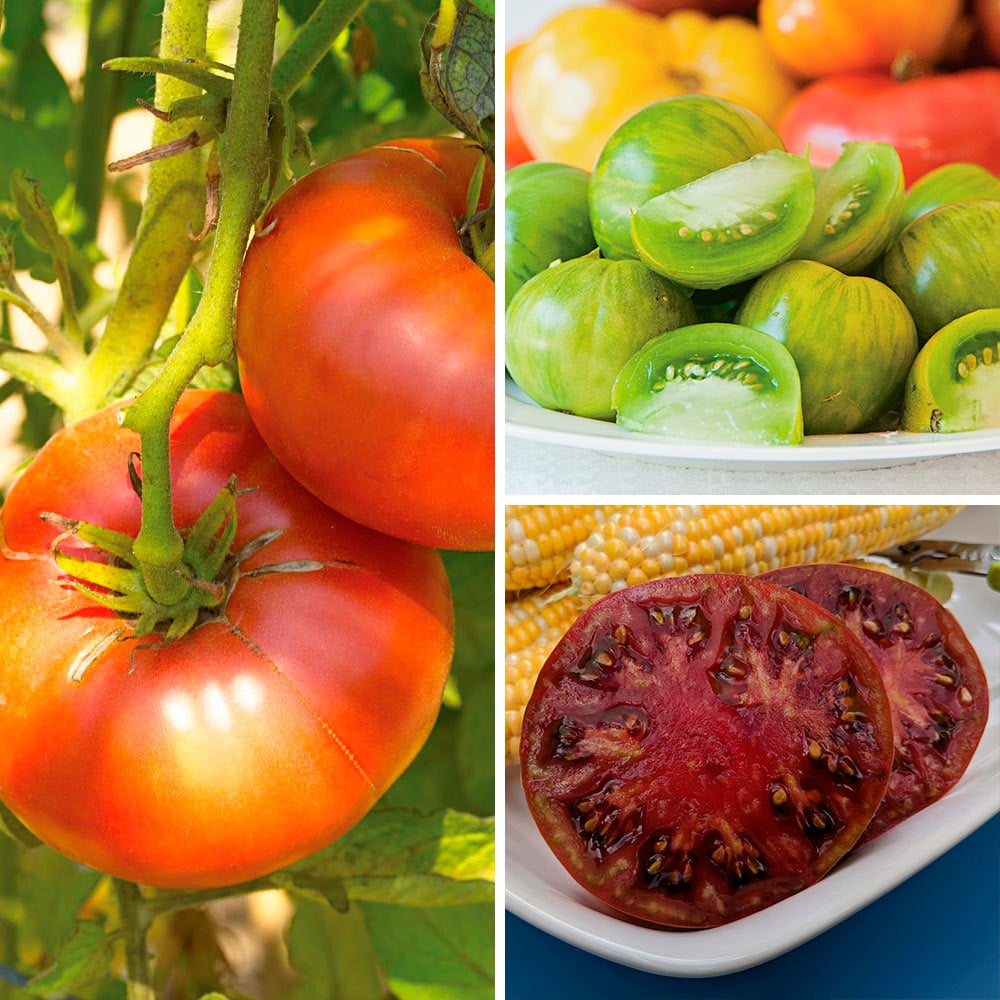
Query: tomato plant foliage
{"x":139,"y":305}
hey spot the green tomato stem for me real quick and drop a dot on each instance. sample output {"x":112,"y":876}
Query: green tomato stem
{"x":68,"y":352}
{"x":135,"y":920}
{"x":175,"y":199}
{"x":178,"y":899}
{"x":311,"y":43}
{"x":208,"y":339}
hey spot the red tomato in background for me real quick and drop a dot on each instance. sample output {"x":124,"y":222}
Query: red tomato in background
{"x":515,"y":151}
{"x":365,"y":342}
{"x":930,"y":120}
{"x":252,"y":741}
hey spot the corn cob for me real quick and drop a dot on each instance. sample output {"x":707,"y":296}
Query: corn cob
{"x":637,"y":544}
{"x":539,"y":542}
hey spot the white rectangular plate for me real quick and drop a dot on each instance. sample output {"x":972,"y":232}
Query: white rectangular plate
{"x":541,"y":892}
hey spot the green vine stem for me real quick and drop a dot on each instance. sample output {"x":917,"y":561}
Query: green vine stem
{"x":135,"y":920}
{"x":112,"y":26}
{"x":208,"y":339}
{"x":311,"y":43}
{"x":175,"y":199}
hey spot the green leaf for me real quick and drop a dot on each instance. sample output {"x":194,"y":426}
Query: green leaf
{"x":457,"y":70}
{"x":406,"y":857}
{"x":455,"y":768}
{"x":81,"y":963}
{"x":15,"y":829}
{"x":334,"y":954}
{"x":23,"y":145}
{"x":440,"y":954}
{"x":38,"y":221}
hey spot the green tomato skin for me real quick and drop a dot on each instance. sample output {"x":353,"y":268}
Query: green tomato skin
{"x":546,"y":217}
{"x":946,"y":185}
{"x":572,"y":327}
{"x":852,"y":340}
{"x":730,"y":225}
{"x":664,"y":146}
{"x":858,"y":201}
{"x":712,"y":382}
{"x":954,"y":384}
{"x":947,"y":264}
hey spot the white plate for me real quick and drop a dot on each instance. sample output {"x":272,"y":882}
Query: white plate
{"x":541,"y":892}
{"x":526,"y":419}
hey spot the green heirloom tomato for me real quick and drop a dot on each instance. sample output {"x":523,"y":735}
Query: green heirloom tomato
{"x":729,"y":225}
{"x":852,"y":339}
{"x":712,"y":382}
{"x":572,"y":327}
{"x":858,"y":201}
{"x":946,"y":185}
{"x":546,"y":219}
{"x":664,"y":146}
{"x":947,"y":263}
{"x":954,"y":385}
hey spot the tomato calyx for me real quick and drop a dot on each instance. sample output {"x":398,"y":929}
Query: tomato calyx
{"x":109,"y":573}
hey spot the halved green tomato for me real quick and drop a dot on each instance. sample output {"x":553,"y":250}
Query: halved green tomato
{"x":712,"y":382}
{"x":946,"y":185}
{"x":730,"y":225}
{"x":852,"y":340}
{"x":665,"y":145}
{"x":572,"y":327}
{"x":858,"y":201}
{"x":954,"y":385}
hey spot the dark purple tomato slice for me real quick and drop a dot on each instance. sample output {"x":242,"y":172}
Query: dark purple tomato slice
{"x":698,"y":748}
{"x":935,"y":682}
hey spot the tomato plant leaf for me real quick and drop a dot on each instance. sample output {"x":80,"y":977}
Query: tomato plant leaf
{"x":457,"y":69}
{"x":448,"y":953}
{"x":403,"y":856}
{"x":334,"y":954}
{"x":15,"y":829}
{"x":455,"y":767}
{"x":80,"y":964}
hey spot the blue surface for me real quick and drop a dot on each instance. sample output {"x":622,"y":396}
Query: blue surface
{"x":935,"y":937}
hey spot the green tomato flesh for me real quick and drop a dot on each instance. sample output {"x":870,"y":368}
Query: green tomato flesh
{"x":954,"y":384}
{"x":712,"y":382}
{"x":858,"y":201}
{"x":664,"y":146}
{"x":572,"y":327}
{"x":730,"y":225}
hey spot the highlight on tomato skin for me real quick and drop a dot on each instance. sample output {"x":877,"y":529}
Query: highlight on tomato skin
{"x":365,"y":341}
{"x":698,"y":748}
{"x":262,"y":735}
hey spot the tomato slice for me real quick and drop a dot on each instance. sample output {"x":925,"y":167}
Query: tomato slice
{"x":858,"y":201}
{"x":730,"y":225}
{"x":698,"y":748}
{"x":935,"y":682}
{"x":954,"y":385}
{"x":712,"y":382}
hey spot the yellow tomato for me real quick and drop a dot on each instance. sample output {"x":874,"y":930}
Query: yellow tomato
{"x":591,"y":68}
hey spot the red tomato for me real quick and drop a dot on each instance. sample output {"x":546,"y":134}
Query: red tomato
{"x":817,"y":37}
{"x":260,"y":736}
{"x":365,"y":342}
{"x":515,"y":151}
{"x":931,"y":120}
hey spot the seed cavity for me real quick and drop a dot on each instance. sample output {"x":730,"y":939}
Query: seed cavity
{"x":616,"y":733}
{"x":736,"y":855}
{"x":604,"y":823}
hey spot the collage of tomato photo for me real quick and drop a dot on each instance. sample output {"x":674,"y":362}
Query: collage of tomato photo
{"x":405,"y":599}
